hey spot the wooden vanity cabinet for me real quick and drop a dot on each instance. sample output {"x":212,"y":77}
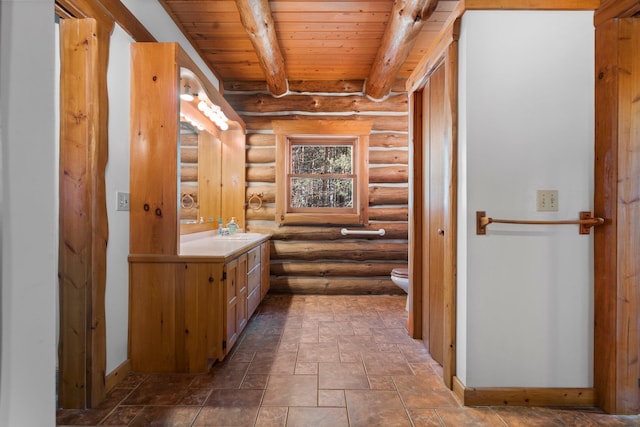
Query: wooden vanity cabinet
{"x":245,"y":287}
{"x":175,"y":316}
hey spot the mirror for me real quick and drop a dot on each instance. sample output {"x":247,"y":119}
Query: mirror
{"x":200,"y":157}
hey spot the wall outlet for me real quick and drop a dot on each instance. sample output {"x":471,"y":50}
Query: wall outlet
{"x":547,"y":201}
{"x":122,"y":203}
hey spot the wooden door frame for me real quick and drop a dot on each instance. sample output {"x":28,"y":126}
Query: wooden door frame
{"x":616,"y":184}
{"x":83,"y":230}
{"x":448,"y":57}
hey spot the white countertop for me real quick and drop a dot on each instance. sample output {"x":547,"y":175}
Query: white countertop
{"x":209,"y":243}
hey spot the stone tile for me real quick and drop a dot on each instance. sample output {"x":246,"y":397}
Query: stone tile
{"x":300,"y":335}
{"x":177,"y":416}
{"x":335,"y":328}
{"x":320,"y":352}
{"x":167,"y":389}
{"x":430,"y":418}
{"x":515,"y":416}
{"x":242,"y":356}
{"x":226,"y":375}
{"x":308,"y":368}
{"x":195,"y":396}
{"x":122,"y":415}
{"x":272,"y":416}
{"x":357,"y":343}
{"x":420,"y":392}
{"x":331,"y":398}
{"x":351,"y":356}
{"x":317,"y":417}
{"x":273,"y":363}
{"x":291,"y":390}
{"x":465,"y":416}
{"x":254,"y":382}
{"x":415,"y":353}
{"x":337,"y":375}
{"x":288,"y":347}
{"x":386,"y":364}
{"x":376,"y":408}
{"x":381,"y":382}
{"x":230,"y":408}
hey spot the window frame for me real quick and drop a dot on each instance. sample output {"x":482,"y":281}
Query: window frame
{"x":290,"y":132}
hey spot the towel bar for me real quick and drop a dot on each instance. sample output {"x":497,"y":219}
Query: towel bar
{"x":379,"y":232}
{"x":586,"y":221}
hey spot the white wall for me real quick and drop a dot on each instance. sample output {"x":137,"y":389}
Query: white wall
{"x":29,"y":264}
{"x":526,"y":123}
{"x":117,"y":179}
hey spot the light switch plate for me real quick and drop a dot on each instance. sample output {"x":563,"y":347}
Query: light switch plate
{"x":547,"y":201}
{"x":122,"y":201}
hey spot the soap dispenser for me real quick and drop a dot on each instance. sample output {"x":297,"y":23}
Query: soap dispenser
{"x":220,"y":231}
{"x":232,"y":225}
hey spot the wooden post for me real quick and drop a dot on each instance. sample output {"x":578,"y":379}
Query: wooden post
{"x":617,"y":183}
{"x":84,"y":53}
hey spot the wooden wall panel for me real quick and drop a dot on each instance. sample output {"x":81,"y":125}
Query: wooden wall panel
{"x":318,"y":259}
{"x":84,"y":230}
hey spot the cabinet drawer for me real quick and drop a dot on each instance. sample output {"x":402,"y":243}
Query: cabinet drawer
{"x":253,"y":258}
{"x":253,"y":279}
{"x":253,"y":300}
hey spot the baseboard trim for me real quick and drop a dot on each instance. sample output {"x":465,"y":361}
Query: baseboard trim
{"x":523,"y":396}
{"x":117,"y":375}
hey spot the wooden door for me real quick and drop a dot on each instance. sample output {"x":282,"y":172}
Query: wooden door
{"x":434,"y":214}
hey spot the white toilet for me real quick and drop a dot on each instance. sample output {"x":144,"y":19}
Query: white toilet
{"x":400,"y":276}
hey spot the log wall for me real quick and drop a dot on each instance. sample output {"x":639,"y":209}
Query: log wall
{"x":318,"y":259}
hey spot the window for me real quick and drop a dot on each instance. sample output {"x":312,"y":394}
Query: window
{"x":321,"y":172}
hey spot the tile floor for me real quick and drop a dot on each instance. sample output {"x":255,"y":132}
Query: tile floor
{"x":317,"y":361}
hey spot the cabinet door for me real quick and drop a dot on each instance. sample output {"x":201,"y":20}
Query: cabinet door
{"x":199,"y":319}
{"x":152,"y":312}
{"x":241,"y":289}
{"x":265,"y":271}
{"x":231,"y":299}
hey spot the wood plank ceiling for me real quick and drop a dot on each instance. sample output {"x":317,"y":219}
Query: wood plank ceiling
{"x":317,"y":40}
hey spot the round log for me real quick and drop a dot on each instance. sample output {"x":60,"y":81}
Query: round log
{"x":265,"y":213}
{"x":389,"y":157}
{"x":188,"y":172}
{"x":389,"y":214}
{"x":359,"y":251}
{"x":261,"y":155}
{"x":388,"y":196}
{"x":344,"y":269}
{"x":388,"y":140}
{"x":261,"y":174}
{"x":261,"y":139}
{"x":334,"y":286}
{"x":188,"y":155}
{"x":389,"y":174}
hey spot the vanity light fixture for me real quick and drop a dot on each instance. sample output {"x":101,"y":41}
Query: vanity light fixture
{"x":193,"y":122}
{"x":186,"y":94}
{"x":215,"y":114}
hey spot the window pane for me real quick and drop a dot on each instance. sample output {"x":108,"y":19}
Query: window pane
{"x":321,"y":192}
{"x":321,"y":159}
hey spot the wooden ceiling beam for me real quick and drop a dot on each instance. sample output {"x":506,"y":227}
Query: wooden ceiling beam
{"x":405,"y":23}
{"x":257,"y":20}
